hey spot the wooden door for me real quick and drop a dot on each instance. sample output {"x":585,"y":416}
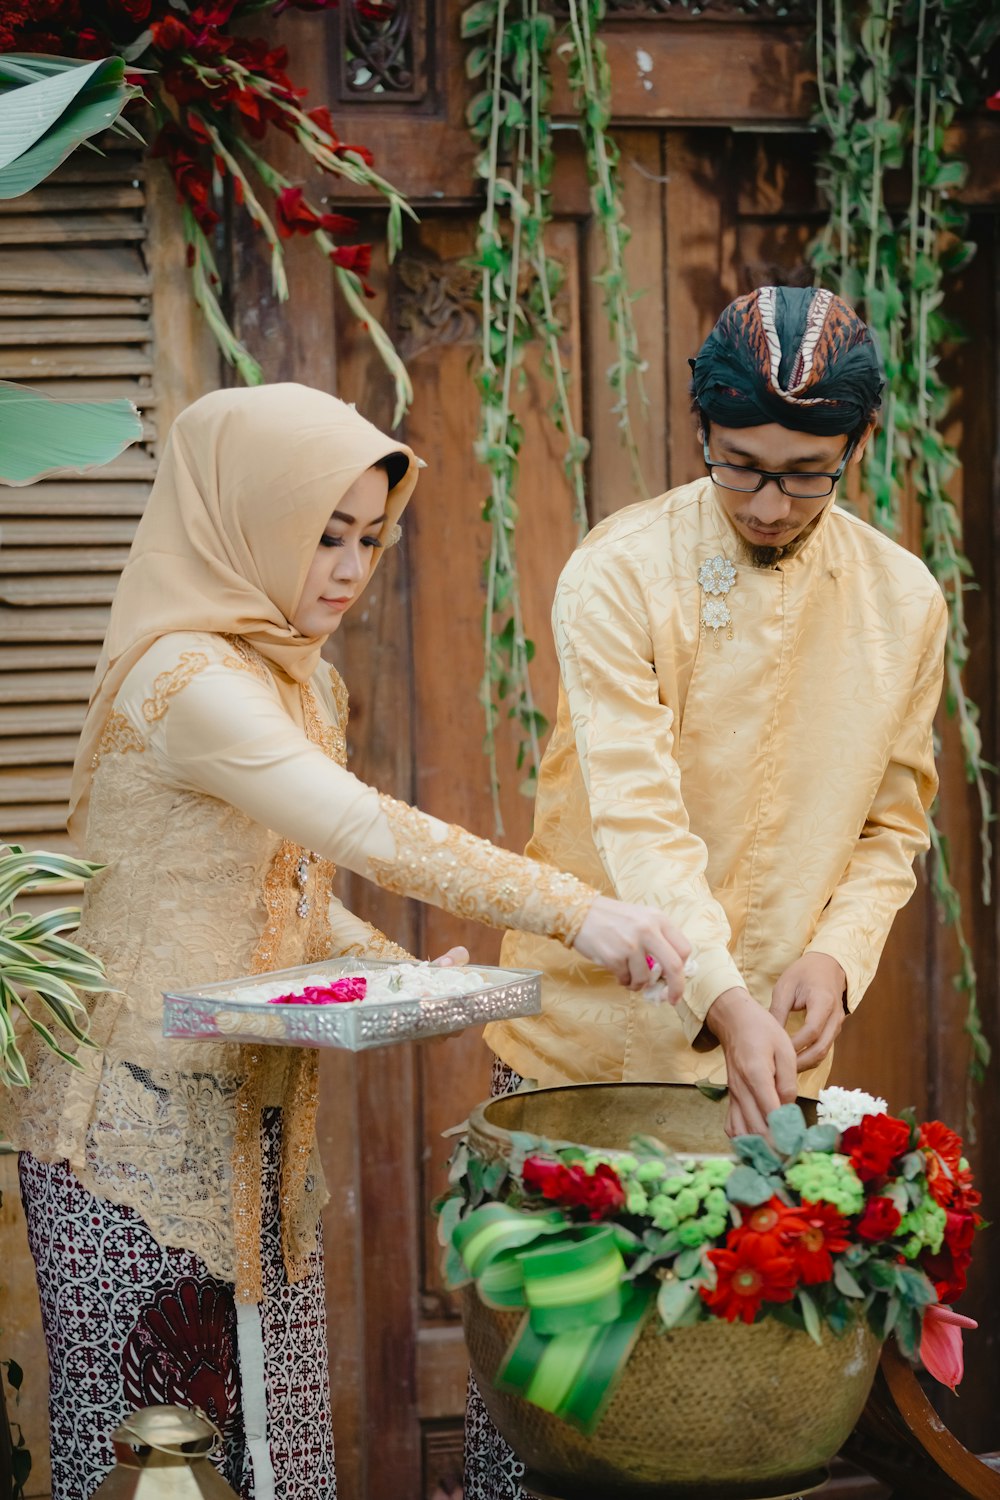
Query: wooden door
{"x":719,"y":192}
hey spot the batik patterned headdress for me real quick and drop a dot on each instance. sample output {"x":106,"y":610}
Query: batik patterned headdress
{"x":798,"y":356}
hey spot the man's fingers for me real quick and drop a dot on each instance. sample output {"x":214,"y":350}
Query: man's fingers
{"x":815,"y":1054}
{"x":782,"y":1001}
{"x":809,"y":1033}
{"x":786,"y":1068}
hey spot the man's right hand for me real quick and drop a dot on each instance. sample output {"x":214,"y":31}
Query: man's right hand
{"x":760,"y":1061}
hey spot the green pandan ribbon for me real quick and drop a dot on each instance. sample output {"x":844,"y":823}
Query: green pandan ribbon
{"x":582,"y":1317}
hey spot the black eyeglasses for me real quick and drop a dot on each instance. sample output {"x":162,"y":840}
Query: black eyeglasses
{"x":798,"y":486}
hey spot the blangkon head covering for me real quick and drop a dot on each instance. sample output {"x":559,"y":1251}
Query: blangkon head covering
{"x":246,"y":486}
{"x":798,"y":356}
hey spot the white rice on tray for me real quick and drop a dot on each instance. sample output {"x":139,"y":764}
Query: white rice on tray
{"x":417,"y":981}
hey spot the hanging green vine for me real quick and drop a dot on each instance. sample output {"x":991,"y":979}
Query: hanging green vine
{"x":891,"y":79}
{"x":511,"y":50}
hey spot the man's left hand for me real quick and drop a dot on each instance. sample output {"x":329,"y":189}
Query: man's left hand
{"x":816,"y":984}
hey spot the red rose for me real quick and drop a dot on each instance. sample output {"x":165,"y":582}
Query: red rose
{"x":171,"y":35}
{"x":748,"y":1274}
{"x":600,"y":1192}
{"x":603,"y":1194}
{"x":874,"y":1145}
{"x":880,"y":1219}
{"x":818,"y":1234}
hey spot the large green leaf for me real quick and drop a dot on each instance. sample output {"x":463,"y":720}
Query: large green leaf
{"x":42,"y":435}
{"x":48,"y":106}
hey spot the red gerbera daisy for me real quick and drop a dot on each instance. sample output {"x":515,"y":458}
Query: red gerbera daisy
{"x":748,"y":1273}
{"x":818,"y":1234}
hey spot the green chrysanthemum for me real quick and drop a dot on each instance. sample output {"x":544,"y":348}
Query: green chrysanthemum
{"x":822,"y":1177}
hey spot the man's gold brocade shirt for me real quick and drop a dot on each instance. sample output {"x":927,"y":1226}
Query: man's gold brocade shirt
{"x":767,"y":789}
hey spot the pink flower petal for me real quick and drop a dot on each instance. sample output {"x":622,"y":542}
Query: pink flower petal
{"x":941,"y":1344}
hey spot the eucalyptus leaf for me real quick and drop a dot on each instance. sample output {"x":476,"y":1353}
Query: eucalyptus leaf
{"x":747,"y":1187}
{"x":810,"y":1316}
{"x":821,"y":1138}
{"x":713,"y":1091}
{"x":845,"y":1282}
{"x":788,"y":1128}
{"x":675,"y":1301}
{"x":688,"y":1262}
{"x":754,"y":1150}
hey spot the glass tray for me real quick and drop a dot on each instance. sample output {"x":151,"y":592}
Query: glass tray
{"x":209,"y":1014}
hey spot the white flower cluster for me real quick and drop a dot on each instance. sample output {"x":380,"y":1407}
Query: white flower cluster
{"x":846,"y":1107}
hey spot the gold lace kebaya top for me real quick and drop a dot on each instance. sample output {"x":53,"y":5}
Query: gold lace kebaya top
{"x":748,"y":749}
{"x":218,"y":821}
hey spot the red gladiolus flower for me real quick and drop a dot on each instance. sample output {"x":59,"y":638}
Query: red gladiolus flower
{"x":342,"y":148}
{"x":356,"y":258}
{"x":91,"y":44}
{"x":818,"y":1234}
{"x":192,"y":178}
{"x":134,"y":11}
{"x":880,"y":1219}
{"x":197,"y":127}
{"x":321,"y":116}
{"x":874,"y":1145}
{"x":747,"y":1275}
{"x":211,"y":16}
{"x":307,"y":5}
{"x":171,"y":35}
{"x":295,"y":216}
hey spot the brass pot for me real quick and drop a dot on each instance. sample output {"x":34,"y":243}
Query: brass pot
{"x":716,"y":1410}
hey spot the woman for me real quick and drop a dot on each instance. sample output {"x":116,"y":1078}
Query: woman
{"x":161,"y":1178}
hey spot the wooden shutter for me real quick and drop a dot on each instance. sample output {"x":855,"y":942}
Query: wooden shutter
{"x":75,"y":320}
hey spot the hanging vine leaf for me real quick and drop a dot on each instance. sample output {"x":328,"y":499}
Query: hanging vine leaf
{"x":512,"y":46}
{"x":891,"y":79}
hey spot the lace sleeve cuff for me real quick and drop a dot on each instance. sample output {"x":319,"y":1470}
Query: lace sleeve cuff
{"x":472,"y":878}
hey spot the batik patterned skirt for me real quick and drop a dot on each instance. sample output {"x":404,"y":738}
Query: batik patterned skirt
{"x":492,"y":1469}
{"x":130,"y":1323}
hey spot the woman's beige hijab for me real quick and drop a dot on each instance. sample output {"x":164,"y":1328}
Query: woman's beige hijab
{"x":246,"y":486}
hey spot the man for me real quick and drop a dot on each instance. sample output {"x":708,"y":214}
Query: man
{"x":749,"y":681}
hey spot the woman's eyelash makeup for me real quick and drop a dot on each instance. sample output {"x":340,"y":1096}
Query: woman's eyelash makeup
{"x":338,"y":541}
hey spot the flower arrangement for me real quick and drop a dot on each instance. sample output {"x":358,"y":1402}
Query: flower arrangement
{"x":860,"y":1216}
{"x":215,"y":93}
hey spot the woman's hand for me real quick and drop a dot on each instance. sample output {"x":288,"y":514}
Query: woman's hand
{"x":623,"y":938}
{"x":455,"y":957}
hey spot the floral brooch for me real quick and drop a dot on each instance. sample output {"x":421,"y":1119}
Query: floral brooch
{"x":716,"y":577}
